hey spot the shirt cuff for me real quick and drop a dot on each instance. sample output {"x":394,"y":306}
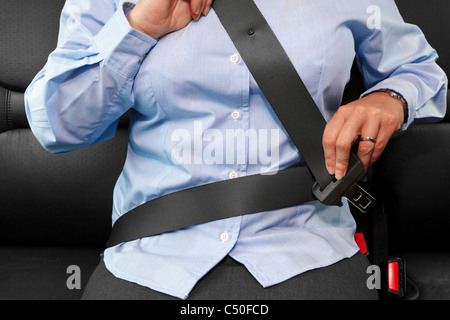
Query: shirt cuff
{"x":120,"y":46}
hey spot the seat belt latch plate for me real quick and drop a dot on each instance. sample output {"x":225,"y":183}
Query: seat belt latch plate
{"x":348,"y":187}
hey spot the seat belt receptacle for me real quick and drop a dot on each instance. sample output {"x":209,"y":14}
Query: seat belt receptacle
{"x":361,"y":242}
{"x":394,"y":281}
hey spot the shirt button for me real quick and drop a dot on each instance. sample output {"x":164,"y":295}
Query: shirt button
{"x":235,"y":115}
{"x":233,"y":174}
{"x":234,"y":58}
{"x":225,"y":236}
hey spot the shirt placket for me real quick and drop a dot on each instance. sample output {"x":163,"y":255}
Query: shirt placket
{"x":237,"y":123}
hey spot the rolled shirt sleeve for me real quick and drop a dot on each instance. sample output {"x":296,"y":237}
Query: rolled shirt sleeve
{"x":86,"y":85}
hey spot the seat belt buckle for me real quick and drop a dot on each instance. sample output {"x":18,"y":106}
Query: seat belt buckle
{"x":362,"y":244}
{"x":394,"y":278}
{"x":348,"y":187}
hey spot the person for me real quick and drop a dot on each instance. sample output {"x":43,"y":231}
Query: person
{"x":197,"y":116}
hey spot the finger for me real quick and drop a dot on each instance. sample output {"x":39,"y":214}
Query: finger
{"x":382,"y":141}
{"x":387,"y":128}
{"x":197,"y":7}
{"x":207,"y":7}
{"x":366,"y":148}
{"x":365,"y":153}
{"x":329,"y":139}
{"x":347,"y":137}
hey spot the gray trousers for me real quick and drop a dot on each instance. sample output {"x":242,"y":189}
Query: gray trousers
{"x":230,"y":280}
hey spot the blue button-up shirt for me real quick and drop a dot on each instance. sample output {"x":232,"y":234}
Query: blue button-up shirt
{"x":197,"y":116}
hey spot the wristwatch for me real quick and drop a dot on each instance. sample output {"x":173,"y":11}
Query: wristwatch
{"x":399,"y":97}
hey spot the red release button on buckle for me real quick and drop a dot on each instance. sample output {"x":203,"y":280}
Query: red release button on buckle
{"x":393,"y":279}
{"x":361,"y":242}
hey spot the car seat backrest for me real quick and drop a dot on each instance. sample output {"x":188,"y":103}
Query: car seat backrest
{"x":46,"y":199}
{"x":432,"y":18}
{"x":29,"y":31}
{"x":413,"y":173}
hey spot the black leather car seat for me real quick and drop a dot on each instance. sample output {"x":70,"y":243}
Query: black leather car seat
{"x":55,"y":210}
{"x":413,"y":176}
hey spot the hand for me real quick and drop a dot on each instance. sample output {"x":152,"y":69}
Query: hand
{"x":159,"y":17}
{"x":377,"y":115}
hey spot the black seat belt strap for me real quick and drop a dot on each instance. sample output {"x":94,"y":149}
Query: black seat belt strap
{"x":283,"y":88}
{"x":214,"y":201}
